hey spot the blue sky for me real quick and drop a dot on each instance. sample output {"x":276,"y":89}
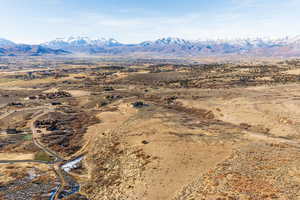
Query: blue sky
{"x":131,"y":21}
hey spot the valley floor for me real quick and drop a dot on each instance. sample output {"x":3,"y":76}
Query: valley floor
{"x":248,"y":150}
{"x":151,"y":132}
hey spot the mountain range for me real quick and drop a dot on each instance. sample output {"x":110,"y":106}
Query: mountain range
{"x":9,"y":48}
{"x":288,"y":46}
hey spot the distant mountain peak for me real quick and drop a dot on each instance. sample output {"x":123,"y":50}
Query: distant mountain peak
{"x":6,"y":43}
{"x":172,"y":40}
{"x":178,"y":46}
{"x":79,"y":41}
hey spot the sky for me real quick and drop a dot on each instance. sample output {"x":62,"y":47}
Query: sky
{"x":133,"y":21}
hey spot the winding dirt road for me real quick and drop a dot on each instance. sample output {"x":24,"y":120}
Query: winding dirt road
{"x":58,"y":159}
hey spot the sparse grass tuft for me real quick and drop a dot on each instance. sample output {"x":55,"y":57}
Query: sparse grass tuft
{"x":42,"y":156}
{"x":27,"y":137}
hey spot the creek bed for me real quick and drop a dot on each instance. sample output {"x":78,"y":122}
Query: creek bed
{"x":72,"y":186}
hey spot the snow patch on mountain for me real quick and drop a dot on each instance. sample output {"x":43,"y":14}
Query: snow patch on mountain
{"x":6,"y":43}
{"x":81,"y":41}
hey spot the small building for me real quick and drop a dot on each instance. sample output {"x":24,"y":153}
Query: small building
{"x":55,"y":103}
{"x":32,"y":97}
{"x":11,"y":131}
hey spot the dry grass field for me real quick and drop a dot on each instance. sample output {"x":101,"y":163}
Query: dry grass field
{"x":154,"y":131}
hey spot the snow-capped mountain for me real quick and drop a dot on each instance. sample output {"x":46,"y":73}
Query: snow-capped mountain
{"x":9,"y":48}
{"x":178,"y":46}
{"x":172,"y":41}
{"x":77,"y":42}
{"x":287,"y":46}
{"x":6,"y":43}
{"x":167,"y":45}
{"x":219,"y":46}
{"x":288,"y":40}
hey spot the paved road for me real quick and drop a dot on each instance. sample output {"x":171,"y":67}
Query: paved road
{"x":56,"y":165}
{"x":58,"y":158}
{"x":24,"y":161}
{"x":43,"y":110}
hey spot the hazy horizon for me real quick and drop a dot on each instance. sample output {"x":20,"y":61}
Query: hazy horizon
{"x":133,"y":21}
{"x":265,"y":38}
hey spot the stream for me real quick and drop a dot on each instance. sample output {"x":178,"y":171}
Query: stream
{"x":73,"y":186}
{"x":68,"y":185}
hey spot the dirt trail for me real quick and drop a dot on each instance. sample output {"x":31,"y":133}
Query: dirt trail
{"x":36,"y":140}
{"x":56,"y":165}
